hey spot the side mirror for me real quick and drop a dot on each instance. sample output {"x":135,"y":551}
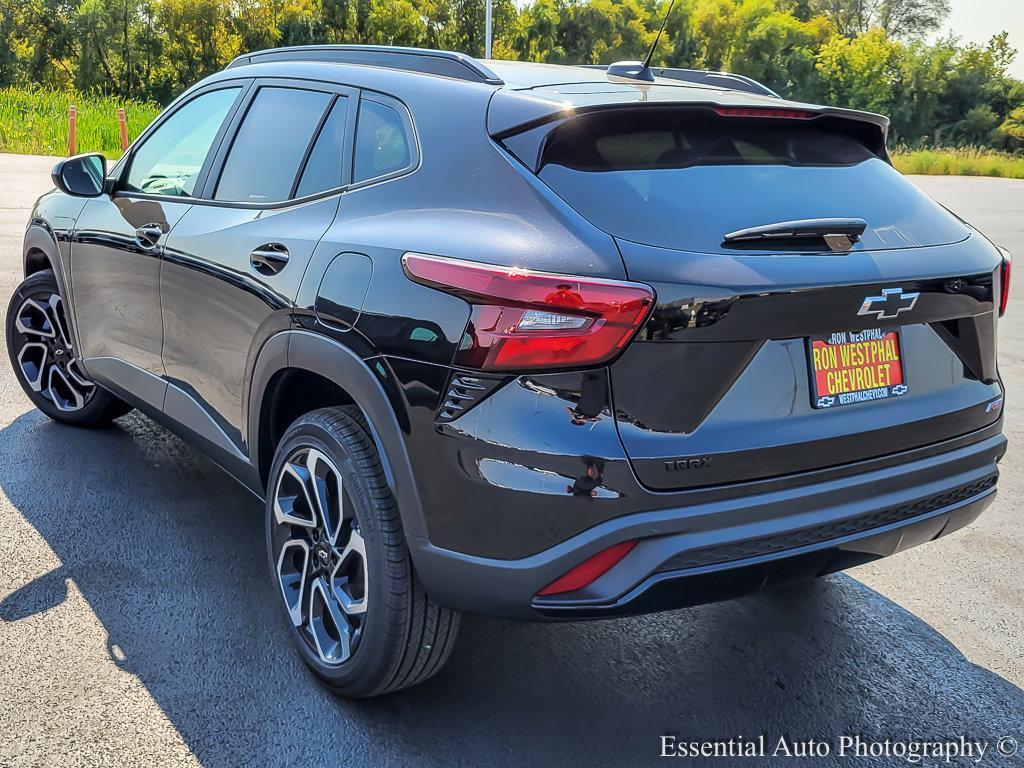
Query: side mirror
{"x":81,"y":175}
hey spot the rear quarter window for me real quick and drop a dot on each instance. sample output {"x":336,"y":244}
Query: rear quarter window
{"x":383,"y":142}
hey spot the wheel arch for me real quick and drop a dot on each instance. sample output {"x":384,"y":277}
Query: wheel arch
{"x":298,"y":353}
{"x":40,"y":251}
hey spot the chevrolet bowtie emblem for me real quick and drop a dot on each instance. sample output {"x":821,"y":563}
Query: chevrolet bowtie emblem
{"x":889,"y":304}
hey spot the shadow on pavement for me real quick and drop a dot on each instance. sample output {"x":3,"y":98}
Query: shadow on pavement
{"x":169,"y":553}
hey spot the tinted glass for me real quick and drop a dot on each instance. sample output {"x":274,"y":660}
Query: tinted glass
{"x":169,"y":161}
{"x":684,"y":180}
{"x":382,"y":145}
{"x":270,"y":145}
{"x":323,"y":169}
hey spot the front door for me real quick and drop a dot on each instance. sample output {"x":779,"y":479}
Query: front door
{"x":118,"y":241}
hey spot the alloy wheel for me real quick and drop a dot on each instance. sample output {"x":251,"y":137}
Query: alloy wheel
{"x":319,"y":555}
{"x":46,"y":355}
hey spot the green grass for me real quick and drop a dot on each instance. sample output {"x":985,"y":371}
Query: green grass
{"x":35,"y":121}
{"x":959,"y":161}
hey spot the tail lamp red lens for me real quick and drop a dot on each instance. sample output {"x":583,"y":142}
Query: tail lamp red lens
{"x":1004,"y":281}
{"x":523,"y":320}
{"x":590,"y":570}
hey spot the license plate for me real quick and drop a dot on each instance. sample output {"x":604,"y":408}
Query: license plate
{"x":856,"y":367}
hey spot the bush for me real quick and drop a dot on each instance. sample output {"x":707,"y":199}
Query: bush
{"x":959,"y":161}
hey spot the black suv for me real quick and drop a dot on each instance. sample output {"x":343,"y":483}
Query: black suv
{"x":531,"y":341}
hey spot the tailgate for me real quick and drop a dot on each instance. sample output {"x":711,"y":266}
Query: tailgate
{"x":722,"y":385}
{"x":814,"y":308}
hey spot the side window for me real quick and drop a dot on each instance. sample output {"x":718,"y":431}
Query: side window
{"x":169,"y":161}
{"x":383,"y":145}
{"x":323,"y":168}
{"x":270,"y":144}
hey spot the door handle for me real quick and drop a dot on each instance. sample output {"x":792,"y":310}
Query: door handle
{"x":269,"y":259}
{"x":149,"y":235}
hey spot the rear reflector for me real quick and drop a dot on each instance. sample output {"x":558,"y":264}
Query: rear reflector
{"x":788,"y":114}
{"x":1004,"y":281}
{"x":523,"y":320}
{"x":589,"y":571}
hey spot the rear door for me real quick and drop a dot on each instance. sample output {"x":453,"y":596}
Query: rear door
{"x":233,"y":263}
{"x":814,"y":307}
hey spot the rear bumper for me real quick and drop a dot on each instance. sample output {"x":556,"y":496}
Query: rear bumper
{"x":724,"y":549}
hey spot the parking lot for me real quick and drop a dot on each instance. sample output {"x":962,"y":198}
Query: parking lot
{"x":137,"y":625}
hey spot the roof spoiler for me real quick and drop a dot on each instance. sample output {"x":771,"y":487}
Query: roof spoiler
{"x":522,"y":125}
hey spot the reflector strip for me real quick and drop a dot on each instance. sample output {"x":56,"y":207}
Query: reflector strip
{"x":590,"y":570}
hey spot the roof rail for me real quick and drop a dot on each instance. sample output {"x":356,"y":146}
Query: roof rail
{"x":424,"y":60}
{"x":726,"y":80}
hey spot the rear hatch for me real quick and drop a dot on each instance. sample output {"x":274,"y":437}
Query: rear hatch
{"x":814,"y":307}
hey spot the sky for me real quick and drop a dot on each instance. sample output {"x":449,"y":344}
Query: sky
{"x":975,"y":21}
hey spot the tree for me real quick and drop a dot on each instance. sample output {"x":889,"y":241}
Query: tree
{"x":924,"y":73}
{"x":758,"y":38}
{"x":861,"y":72}
{"x":199,"y":37}
{"x":395,"y":22}
{"x":535,"y":37}
{"x":604,"y":31}
{"x":8,"y":56}
{"x":978,"y":79}
{"x":1011,"y":132}
{"x":905,"y":19}
{"x":978,"y":124}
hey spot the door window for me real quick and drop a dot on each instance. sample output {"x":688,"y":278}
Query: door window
{"x":170,"y":159}
{"x":268,"y":149}
{"x":323,"y":169}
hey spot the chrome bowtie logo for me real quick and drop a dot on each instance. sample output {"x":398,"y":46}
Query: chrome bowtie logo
{"x":889,"y":304}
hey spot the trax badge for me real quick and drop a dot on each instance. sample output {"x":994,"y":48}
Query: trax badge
{"x":700,"y":462}
{"x":889,"y":304}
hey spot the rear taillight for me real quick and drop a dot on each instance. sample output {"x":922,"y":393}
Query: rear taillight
{"x":589,"y":570}
{"x":523,"y":320}
{"x":1004,"y":281}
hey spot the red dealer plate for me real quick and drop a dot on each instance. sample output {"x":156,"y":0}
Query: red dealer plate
{"x":856,"y":367}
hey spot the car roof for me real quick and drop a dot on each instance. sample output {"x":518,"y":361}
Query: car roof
{"x":523,"y":91}
{"x":575,"y":86}
{"x":512,"y":75}
{"x":529,"y":75}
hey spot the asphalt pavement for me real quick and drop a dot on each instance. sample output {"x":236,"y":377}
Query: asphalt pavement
{"x":137,"y":626}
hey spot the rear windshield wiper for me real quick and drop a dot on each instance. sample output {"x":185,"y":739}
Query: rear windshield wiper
{"x":837,"y":234}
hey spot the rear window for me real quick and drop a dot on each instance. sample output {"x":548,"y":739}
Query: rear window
{"x":686,"y":178}
{"x":270,"y":145}
{"x":324,"y":166}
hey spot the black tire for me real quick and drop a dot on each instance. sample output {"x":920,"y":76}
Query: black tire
{"x":99,"y":407}
{"x":403,"y":638}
